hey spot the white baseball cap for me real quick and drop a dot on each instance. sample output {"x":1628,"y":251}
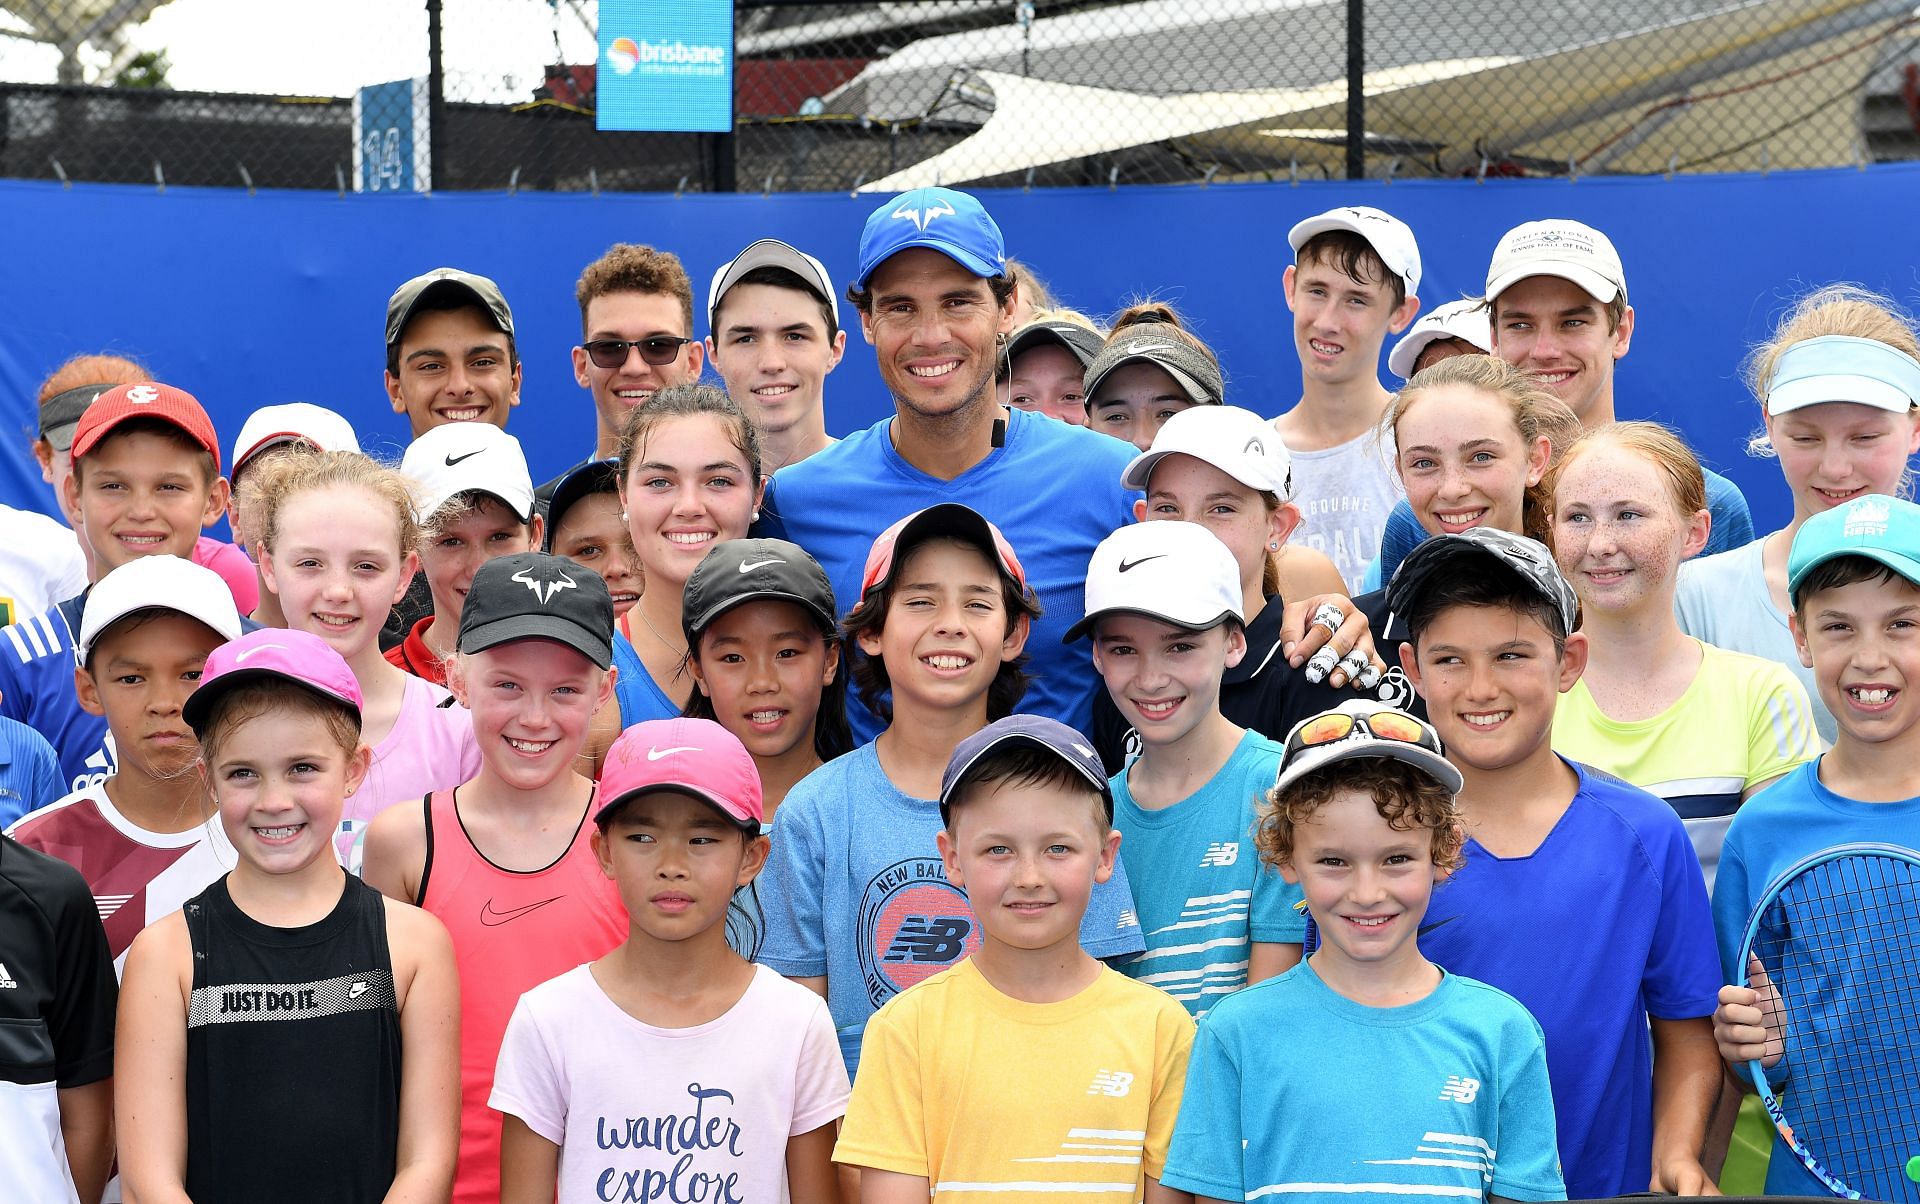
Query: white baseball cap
{"x":1238,"y":442}
{"x":1176,"y":572}
{"x":294,"y":422}
{"x":771,"y":253}
{"x":158,"y":583}
{"x":1557,"y":247}
{"x":468,"y":457}
{"x":1391,"y":239}
{"x":1464,"y":320}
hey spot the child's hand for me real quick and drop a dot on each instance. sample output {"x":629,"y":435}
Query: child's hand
{"x":1352,"y":644}
{"x":1746,"y":1025}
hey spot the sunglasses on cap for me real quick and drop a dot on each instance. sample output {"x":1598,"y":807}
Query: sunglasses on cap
{"x":1383,"y":724}
{"x":657,"y":349}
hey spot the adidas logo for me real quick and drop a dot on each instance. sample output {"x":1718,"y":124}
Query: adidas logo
{"x":1111,"y":1083}
{"x":1458,"y":1090}
{"x":6,"y":979}
{"x":1220,"y":853}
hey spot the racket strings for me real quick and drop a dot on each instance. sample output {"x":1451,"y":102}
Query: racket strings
{"x":1839,"y":944}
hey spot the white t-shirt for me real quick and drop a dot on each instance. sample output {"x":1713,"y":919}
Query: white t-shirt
{"x":40,"y":564}
{"x":646,"y":1113}
{"x":1345,"y":494}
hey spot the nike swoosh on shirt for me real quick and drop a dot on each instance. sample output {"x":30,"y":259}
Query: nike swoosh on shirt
{"x":493,"y":919}
{"x":452,"y":460}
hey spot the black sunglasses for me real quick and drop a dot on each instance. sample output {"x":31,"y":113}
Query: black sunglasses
{"x":658,"y":350}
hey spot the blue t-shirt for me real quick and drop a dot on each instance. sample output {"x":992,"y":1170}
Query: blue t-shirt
{"x":640,"y":698}
{"x":854,"y":889}
{"x":1794,"y":818}
{"x":1732,"y":527}
{"x":1201,"y":891}
{"x":1602,"y":926}
{"x":29,"y":772}
{"x":1053,"y":490}
{"x":1295,"y":1091}
{"x":37,"y":660}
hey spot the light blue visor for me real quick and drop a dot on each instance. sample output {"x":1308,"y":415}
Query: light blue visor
{"x":1839,"y":367}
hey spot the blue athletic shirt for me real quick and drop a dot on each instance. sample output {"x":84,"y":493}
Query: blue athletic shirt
{"x":1199,"y":887}
{"x":1602,"y":926}
{"x":1053,"y":490}
{"x":29,"y":772}
{"x":1795,"y":818}
{"x":1296,"y":1092}
{"x":37,"y":660}
{"x":1726,"y":505}
{"x":638,"y":696}
{"x":854,"y":889}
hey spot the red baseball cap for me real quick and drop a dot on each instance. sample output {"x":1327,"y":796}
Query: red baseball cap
{"x":693,"y":756}
{"x":950,"y":520}
{"x":148,"y":399}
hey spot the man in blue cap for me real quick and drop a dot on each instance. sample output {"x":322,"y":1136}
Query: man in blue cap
{"x":936,"y":304}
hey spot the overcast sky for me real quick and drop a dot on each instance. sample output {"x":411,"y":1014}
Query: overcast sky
{"x":496,"y":49}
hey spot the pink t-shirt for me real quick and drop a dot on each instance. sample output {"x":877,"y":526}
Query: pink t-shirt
{"x":234,"y":568}
{"x":430,"y":748}
{"x":645,"y":1113}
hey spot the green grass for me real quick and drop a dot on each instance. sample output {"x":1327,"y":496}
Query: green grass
{"x":1745,"y":1173}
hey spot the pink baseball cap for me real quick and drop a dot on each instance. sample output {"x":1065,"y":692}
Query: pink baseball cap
{"x":693,"y":756}
{"x":950,"y":520}
{"x":296,"y":656}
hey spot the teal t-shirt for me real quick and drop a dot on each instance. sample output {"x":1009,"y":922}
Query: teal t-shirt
{"x":1296,"y":1092}
{"x":1200,"y":890}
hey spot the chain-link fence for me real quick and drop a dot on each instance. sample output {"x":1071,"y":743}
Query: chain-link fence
{"x":501,"y":94}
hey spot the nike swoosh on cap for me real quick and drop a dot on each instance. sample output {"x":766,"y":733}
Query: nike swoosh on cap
{"x":1129,"y":564}
{"x":452,"y":460}
{"x":241,"y":658}
{"x":493,"y":918}
{"x":654,"y":754}
{"x":747,"y":566}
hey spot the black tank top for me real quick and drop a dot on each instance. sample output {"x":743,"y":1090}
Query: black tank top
{"x":293,"y":1054}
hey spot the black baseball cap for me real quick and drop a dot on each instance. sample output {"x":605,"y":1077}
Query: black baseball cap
{"x":537,"y":596}
{"x":754,"y":570}
{"x":595,"y":476}
{"x":1035,"y":731}
{"x":60,"y":413}
{"x":1084,"y":343}
{"x":1474,"y":550}
{"x":469,"y":288}
{"x":1195,"y":371}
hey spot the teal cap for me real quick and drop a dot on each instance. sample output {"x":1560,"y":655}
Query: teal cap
{"x":1878,"y":527}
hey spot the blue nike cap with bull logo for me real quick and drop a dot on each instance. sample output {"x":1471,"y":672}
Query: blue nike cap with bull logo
{"x":947,"y":221}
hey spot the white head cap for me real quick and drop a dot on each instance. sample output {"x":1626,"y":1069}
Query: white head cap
{"x":468,"y":457}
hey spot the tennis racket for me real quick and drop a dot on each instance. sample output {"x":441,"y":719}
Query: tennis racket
{"x":1837,"y":938}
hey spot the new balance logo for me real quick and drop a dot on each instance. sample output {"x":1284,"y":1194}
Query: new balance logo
{"x":6,"y":979}
{"x":1459,"y":1090}
{"x":1111,"y":1083}
{"x":1127,"y":920}
{"x":1221,"y":853}
{"x":922,"y":218}
{"x":936,"y":939}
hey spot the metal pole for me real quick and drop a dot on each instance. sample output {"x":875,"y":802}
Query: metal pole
{"x":436,"y":101}
{"x":724,"y":166}
{"x":1356,"y":90}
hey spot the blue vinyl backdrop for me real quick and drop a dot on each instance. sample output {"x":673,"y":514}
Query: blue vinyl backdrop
{"x":247,"y":300}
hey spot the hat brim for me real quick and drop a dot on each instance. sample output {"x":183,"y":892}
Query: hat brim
{"x":1085,"y":625}
{"x":690,"y":789}
{"x":1044,"y":336}
{"x":1426,"y":760}
{"x":538,"y":627}
{"x":1906,"y":566}
{"x":767,"y":253}
{"x":1436,"y":553}
{"x":959,"y":254}
{"x":1838,"y":386}
{"x":597,"y":476}
{"x":1139,"y":472}
{"x":1406,"y":352}
{"x":1591,"y":282}
{"x":947,"y":520}
{"x":472,"y":296}
{"x":60,"y":437}
{"x":700,"y":622}
{"x":201,"y":701}
{"x":1196,"y":392}
{"x":522,"y":510}
{"x":956,"y":772}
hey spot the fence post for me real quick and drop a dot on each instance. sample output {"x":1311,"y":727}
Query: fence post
{"x":1356,"y":90}
{"x":436,"y":103}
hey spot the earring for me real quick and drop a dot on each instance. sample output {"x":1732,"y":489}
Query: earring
{"x":623,"y":516}
{"x":1274,"y":546}
{"x":756,"y":514}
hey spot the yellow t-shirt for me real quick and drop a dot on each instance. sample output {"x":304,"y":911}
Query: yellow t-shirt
{"x":1742,"y":721}
{"x":984,"y":1095}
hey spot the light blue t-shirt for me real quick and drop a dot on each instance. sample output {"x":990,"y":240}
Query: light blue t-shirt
{"x":638,"y":696}
{"x":1723,"y":600}
{"x":1602,"y":926}
{"x":1794,"y":818}
{"x":1201,"y":890}
{"x":29,"y":772}
{"x":1053,"y":490}
{"x":1296,"y":1092}
{"x":854,"y":889}
{"x":1726,"y":505}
